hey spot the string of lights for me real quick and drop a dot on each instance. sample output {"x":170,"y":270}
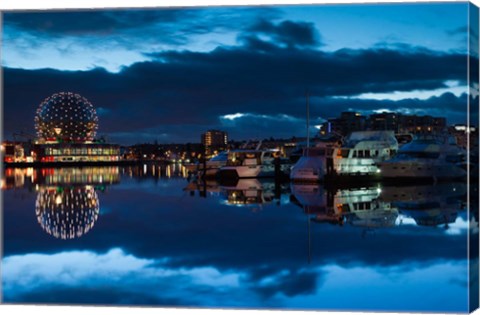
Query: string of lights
{"x":66,"y":116}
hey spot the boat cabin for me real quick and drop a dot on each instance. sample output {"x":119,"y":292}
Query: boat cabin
{"x":251,"y":157}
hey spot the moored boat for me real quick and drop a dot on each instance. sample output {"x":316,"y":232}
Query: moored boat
{"x":254,"y":164}
{"x":361,"y":153}
{"x":427,"y":157}
{"x":312,"y":165}
{"x":210,"y":168}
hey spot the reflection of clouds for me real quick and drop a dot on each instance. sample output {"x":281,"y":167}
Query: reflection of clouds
{"x":115,"y":270}
{"x":430,"y":287}
{"x":127,"y":277}
{"x":458,"y":227}
{"x":288,"y":283}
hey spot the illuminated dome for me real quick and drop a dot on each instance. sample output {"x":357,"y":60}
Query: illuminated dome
{"x":67,"y":213}
{"x":66,"y":116}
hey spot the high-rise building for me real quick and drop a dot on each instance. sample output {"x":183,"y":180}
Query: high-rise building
{"x":348,"y":122}
{"x":214,"y":140}
{"x":384,"y":121}
{"x":421,"y":124}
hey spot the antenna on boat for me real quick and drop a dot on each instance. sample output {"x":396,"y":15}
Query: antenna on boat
{"x":259,"y":145}
{"x":308,"y":119}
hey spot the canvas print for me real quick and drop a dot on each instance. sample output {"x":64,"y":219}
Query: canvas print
{"x":301,"y":157}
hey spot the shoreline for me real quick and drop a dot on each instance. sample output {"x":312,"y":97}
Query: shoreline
{"x":80,"y":164}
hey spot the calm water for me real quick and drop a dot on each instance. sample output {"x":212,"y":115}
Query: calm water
{"x":148,"y":236}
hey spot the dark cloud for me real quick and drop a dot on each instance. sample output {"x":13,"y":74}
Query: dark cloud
{"x":111,"y":295}
{"x":298,"y":283}
{"x":462,"y":30}
{"x":91,"y":22}
{"x":129,"y":29}
{"x":289,"y":33}
{"x":256,"y":44}
{"x":447,"y":105}
{"x":259,"y":78}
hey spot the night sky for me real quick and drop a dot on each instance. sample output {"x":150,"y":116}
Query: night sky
{"x":168,"y":75}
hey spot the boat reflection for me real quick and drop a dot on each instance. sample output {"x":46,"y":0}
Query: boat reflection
{"x":380,"y":207}
{"x":203,"y":187}
{"x":429,"y":205}
{"x":249,"y":192}
{"x":360,"y":207}
{"x":366,"y":207}
{"x":239,"y":192}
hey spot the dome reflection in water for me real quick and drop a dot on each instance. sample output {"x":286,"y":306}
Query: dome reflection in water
{"x":67,"y":205}
{"x":67,"y":213}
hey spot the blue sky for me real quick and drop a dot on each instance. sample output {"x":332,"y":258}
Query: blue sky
{"x":255,"y":61}
{"x":339,"y":26}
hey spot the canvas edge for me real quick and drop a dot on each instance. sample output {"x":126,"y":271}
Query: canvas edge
{"x":1,"y":141}
{"x":472,"y":119}
{"x":472,"y":180}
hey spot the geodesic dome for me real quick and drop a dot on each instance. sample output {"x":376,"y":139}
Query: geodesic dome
{"x":66,"y":116}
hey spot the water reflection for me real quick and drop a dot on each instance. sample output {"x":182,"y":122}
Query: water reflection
{"x":382,"y":206}
{"x":67,"y":213}
{"x":29,"y":177}
{"x":67,"y":204}
{"x":155,"y":171}
{"x":243,"y":192}
{"x":376,"y":206}
{"x":145,"y":228}
{"x":429,"y":205}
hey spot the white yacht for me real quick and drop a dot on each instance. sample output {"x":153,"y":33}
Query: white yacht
{"x":253,"y":164}
{"x":212,"y":166}
{"x":312,"y":167}
{"x":361,"y":153}
{"x":435,"y":157}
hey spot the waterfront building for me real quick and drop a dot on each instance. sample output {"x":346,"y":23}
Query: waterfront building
{"x":384,"y":121}
{"x":421,"y":124}
{"x":214,"y":140}
{"x":349,"y":122}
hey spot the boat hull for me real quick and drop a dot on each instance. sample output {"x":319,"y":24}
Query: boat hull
{"x":308,"y":170}
{"x":413,"y":171}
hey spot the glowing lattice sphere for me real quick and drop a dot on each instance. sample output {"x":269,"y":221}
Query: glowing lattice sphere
{"x":66,"y":116}
{"x":67,"y":213}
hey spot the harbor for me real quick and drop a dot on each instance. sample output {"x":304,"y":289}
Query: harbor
{"x":299,"y":157}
